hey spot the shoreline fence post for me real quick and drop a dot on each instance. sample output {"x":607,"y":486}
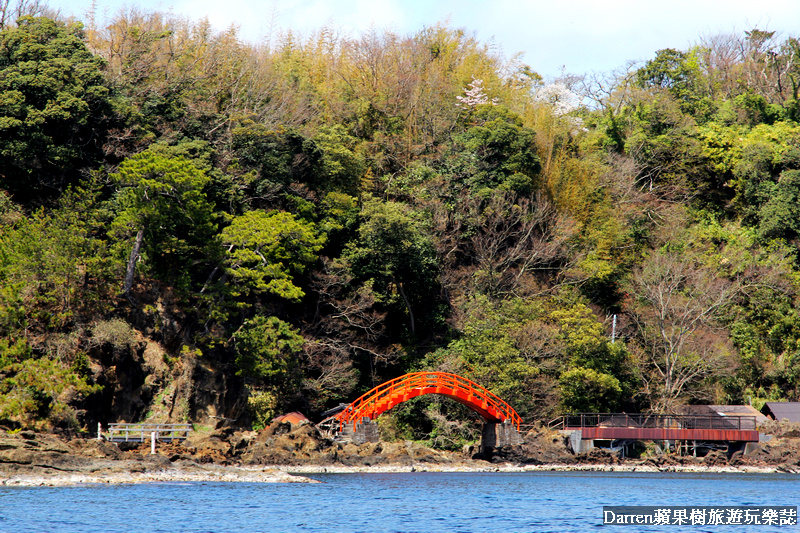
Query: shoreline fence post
{"x":153,"y":443}
{"x":99,"y":429}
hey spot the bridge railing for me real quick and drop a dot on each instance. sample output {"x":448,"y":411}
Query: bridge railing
{"x":123,"y":432}
{"x":363,"y":405}
{"x":661,"y":421}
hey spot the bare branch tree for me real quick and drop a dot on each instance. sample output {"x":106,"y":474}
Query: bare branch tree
{"x":329,"y":371}
{"x":11,"y":10}
{"x":348,"y":323}
{"x":675,"y":304}
{"x":514,"y":237}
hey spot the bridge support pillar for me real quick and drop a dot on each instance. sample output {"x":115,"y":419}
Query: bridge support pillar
{"x":366,"y":431}
{"x":576,"y":441}
{"x":498,"y":434}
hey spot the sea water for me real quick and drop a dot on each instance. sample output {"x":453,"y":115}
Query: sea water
{"x":396,"y":502}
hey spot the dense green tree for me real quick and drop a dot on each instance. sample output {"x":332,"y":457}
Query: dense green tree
{"x":55,"y":107}
{"x":660,"y":137}
{"x":343,"y":163}
{"x":670,"y":69}
{"x":600,"y":373}
{"x":496,"y":151}
{"x":584,"y":390}
{"x":493,"y":351}
{"x":679,"y":74}
{"x":763,"y":165}
{"x":278,"y":157}
{"x":54,"y":267}
{"x":264,"y":252}
{"x":780,"y":215}
{"x":266,"y":349}
{"x":749,"y":109}
{"x":162,"y":215}
{"x":33,"y":389}
{"x":394,"y":253}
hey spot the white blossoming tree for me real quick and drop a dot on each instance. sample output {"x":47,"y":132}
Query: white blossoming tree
{"x":559,"y":96}
{"x":474,"y":95}
{"x":562,"y":101}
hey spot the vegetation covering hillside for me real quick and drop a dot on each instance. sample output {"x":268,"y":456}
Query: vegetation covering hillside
{"x":194,"y":227}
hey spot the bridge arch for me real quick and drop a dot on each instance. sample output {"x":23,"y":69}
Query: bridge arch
{"x":387,"y":395}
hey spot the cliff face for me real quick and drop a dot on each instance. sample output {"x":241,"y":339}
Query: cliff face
{"x":129,"y":376}
{"x":142,"y":382}
{"x":145,"y":372}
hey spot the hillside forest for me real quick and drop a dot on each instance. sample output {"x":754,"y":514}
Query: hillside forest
{"x":197,"y":228}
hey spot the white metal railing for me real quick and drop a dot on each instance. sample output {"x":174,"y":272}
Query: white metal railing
{"x":121,"y":432}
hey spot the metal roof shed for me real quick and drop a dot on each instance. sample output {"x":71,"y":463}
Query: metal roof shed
{"x":722,"y":410}
{"x":739,"y":410}
{"x":782,"y":410}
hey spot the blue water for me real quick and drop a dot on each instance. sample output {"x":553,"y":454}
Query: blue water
{"x":406,"y":502}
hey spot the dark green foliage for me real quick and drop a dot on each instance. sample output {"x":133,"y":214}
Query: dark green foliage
{"x":496,"y":151}
{"x":749,"y":109}
{"x":780,"y":215}
{"x":343,"y":166}
{"x":55,"y":108}
{"x":754,"y":179}
{"x":677,"y":73}
{"x":766,"y":181}
{"x":163,"y":196}
{"x":30,"y":391}
{"x":394,"y":254}
{"x":338,"y":219}
{"x":512,"y":349}
{"x":58,"y":264}
{"x":662,"y":139}
{"x":266,"y":349}
{"x":279,"y":158}
{"x":669,"y":70}
{"x":766,"y":332}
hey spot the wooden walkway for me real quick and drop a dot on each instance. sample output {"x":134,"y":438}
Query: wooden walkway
{"x":144,"y":432}
{"x":596,"y":426}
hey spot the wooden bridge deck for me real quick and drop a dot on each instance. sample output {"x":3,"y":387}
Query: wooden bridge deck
{"x":594,"y":426}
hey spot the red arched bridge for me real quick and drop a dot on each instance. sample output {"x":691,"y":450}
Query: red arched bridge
{"x":394,"y":392}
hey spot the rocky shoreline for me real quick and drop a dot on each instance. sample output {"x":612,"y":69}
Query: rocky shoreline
{"x":177,"y":474}
{"x":284,"y":453}
{"x":511,"y":468}
{"x":192,"y":472}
